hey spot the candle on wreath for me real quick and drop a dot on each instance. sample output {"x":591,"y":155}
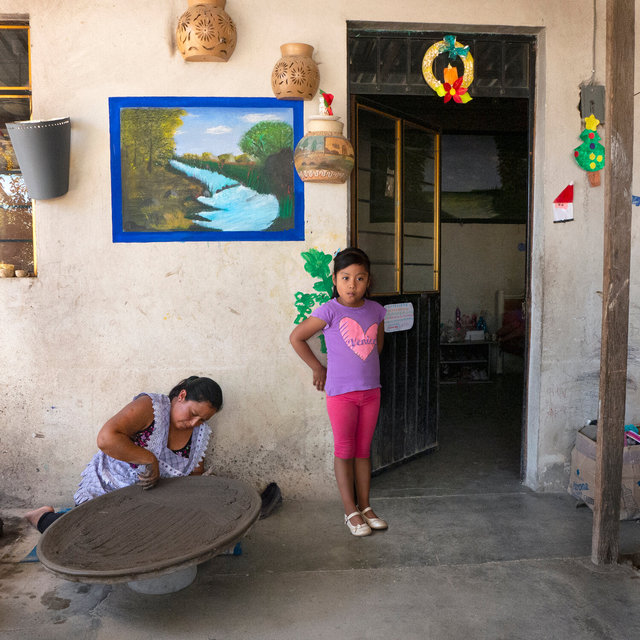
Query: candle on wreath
{"x":450,"y":74}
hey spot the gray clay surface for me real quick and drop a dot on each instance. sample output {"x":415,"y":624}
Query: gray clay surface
{"x":131,"y":534}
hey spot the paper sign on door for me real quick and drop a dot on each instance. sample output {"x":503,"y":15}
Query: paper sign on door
{"x":399,"y":317}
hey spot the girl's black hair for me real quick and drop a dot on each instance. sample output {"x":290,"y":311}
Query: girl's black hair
{"x":199,"y":390}
{"x":347,"y":257}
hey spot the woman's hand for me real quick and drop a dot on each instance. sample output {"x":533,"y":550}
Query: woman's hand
{"x":199,"y":469}
{"x":150,"y":476}
{"x":319,"y":377}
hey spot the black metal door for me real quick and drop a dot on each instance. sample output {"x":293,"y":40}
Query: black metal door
{"x":408,"y":422}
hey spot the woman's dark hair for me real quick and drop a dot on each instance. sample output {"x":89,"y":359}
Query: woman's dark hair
{"x":199,"y":390}
{"x":347,"y":257}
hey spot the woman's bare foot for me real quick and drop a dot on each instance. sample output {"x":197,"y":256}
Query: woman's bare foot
{"x":34,"y":516}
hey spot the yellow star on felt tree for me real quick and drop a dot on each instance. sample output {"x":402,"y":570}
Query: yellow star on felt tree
{"x":591,"y":123}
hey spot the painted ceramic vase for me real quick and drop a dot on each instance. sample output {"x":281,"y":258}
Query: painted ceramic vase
{"x":324,"y":154}
{"x":295,"y":76}
{"x":205,"y":32}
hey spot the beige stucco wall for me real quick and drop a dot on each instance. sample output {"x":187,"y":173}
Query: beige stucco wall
{"x":103,"y":321}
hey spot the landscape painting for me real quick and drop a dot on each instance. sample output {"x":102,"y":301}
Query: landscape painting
{"x":210,"y":169}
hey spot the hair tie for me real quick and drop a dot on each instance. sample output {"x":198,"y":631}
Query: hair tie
{"x":336,"y":252}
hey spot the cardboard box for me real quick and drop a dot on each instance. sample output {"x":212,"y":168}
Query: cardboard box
{"x":583,"y":472}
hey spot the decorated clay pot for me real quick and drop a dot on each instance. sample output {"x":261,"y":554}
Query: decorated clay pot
{"x":205,"y":32}
{"x":295,"y":76}
{"x":324,"y":154}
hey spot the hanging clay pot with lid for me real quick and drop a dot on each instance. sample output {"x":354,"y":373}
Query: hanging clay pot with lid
{"x":324,"y":154}
{"x":295,"y":76}
{"x":205,"y":32}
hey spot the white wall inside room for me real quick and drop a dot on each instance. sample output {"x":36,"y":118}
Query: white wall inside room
{"x":476,"y":261}
{"x":103,"y":321}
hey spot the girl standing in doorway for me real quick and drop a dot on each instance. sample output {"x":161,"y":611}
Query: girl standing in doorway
{"x":353,"y":328}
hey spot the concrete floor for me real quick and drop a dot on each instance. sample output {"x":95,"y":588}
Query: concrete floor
{"x":470,"y":553}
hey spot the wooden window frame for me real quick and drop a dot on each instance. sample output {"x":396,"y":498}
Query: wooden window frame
{"x":11,"y":92}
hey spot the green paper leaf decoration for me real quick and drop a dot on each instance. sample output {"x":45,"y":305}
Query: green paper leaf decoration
{"x":316,"y":265}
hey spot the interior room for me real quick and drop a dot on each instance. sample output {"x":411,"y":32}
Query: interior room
{"x":483,"y":263}
{"x":483,"y":251}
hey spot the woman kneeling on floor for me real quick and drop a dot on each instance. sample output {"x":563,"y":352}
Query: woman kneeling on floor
{"x":154,"y":436}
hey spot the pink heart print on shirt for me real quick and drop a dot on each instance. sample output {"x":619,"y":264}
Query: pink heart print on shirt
{"x":359,"y":341}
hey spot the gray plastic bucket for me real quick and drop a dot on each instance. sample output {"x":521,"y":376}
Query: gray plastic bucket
{"x":42,"y":149}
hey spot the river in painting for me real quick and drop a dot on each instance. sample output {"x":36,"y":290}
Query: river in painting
{"x":233,"y":207}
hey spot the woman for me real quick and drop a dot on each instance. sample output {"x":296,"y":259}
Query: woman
{"x":155,"y":436}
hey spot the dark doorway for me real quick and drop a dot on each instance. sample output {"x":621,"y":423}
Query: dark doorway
{"x":480,"y":252}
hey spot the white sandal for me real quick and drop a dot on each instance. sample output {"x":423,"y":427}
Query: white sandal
{"x":374,"y":523}
{"x":357,"y":529}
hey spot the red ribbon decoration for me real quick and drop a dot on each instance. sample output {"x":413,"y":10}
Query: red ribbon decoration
{"x":328,"y":99}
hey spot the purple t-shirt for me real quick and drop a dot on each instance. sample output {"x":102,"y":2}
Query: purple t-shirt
{"x":351,"y":335}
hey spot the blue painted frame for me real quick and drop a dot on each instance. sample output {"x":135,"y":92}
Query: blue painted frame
{"x":116,"y":104}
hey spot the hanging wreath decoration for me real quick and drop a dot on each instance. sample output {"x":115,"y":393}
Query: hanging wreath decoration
{"x":453,"y":87}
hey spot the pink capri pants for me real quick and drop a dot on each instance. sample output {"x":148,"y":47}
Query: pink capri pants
{"x":353,"y":419}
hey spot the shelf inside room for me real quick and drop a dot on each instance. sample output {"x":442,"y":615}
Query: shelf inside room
{"x":465,"y":362}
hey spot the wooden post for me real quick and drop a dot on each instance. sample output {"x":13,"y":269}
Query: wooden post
{"x":615,"y":307}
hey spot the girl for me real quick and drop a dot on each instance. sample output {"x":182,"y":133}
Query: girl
{"x":353,"y":327}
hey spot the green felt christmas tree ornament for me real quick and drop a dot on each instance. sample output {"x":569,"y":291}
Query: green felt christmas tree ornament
{"x":590,"y":154}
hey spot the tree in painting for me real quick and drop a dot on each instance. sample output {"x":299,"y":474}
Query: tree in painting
{"x":267,"y":138}
{"x":146,"y":136}
{"x":154,"y":197}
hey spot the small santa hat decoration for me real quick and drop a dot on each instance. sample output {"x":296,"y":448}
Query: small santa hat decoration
{"x":563,"y":205}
